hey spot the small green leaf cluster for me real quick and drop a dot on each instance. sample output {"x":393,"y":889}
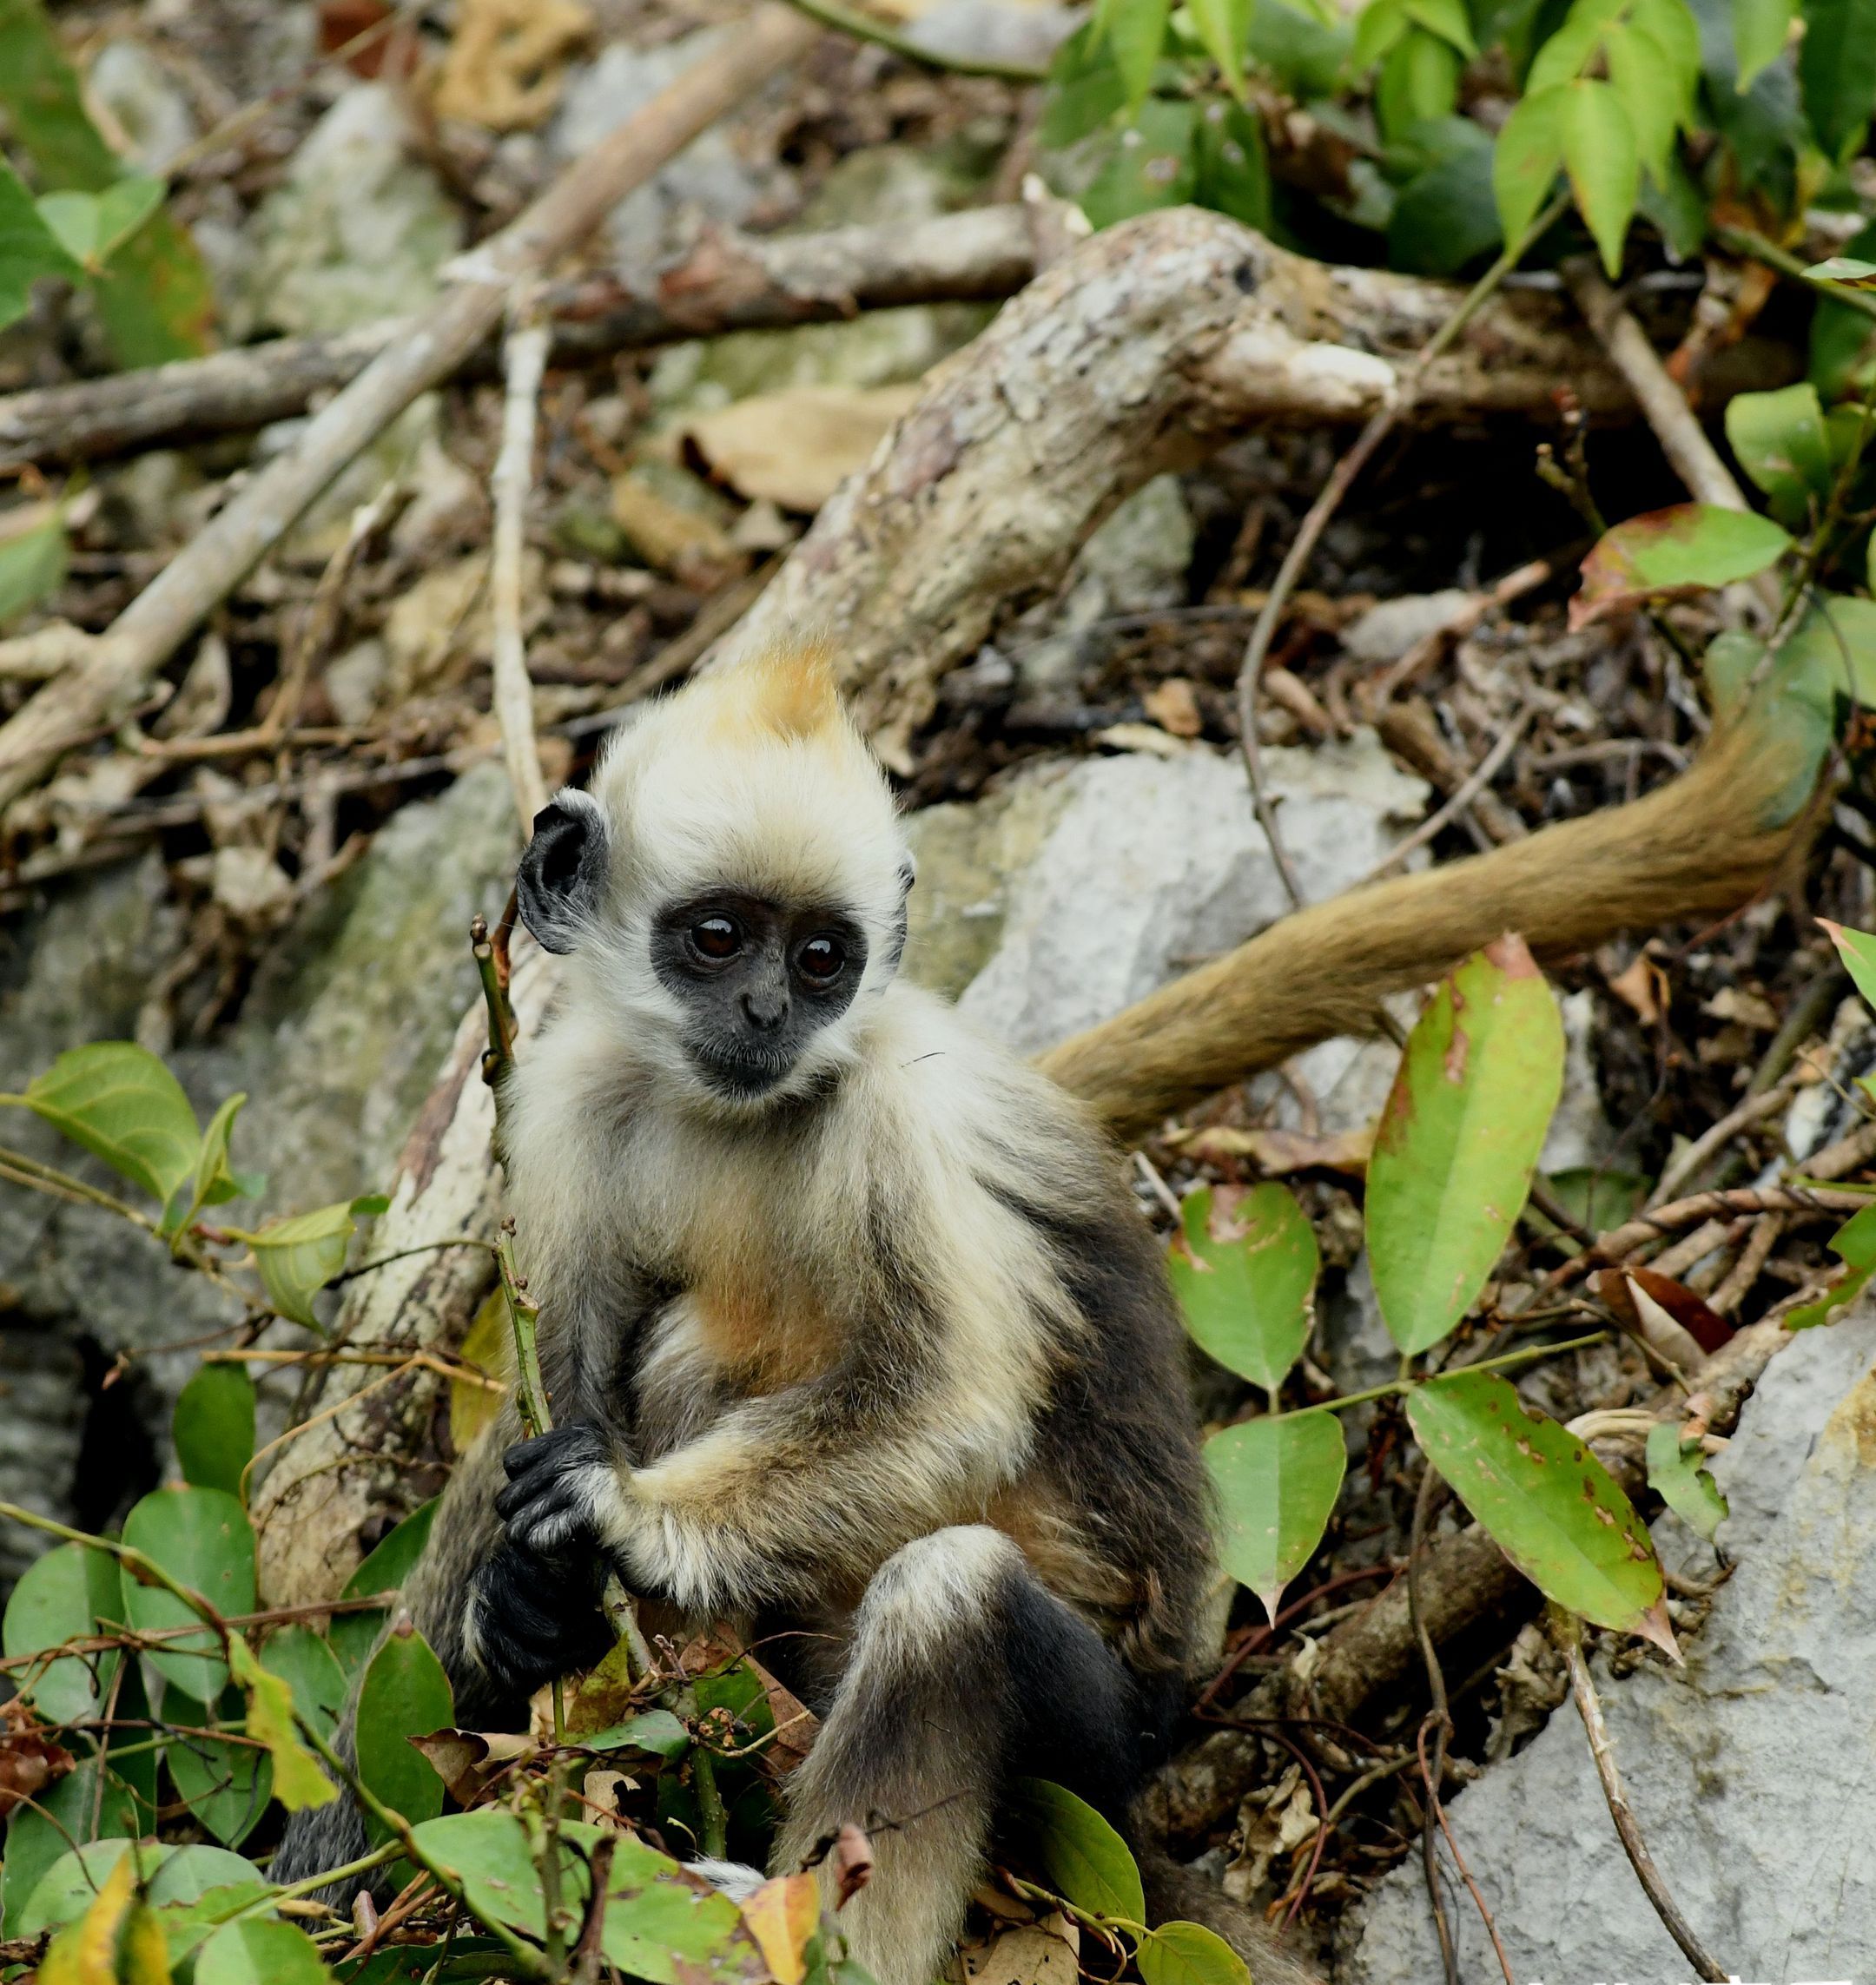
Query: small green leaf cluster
{"x":1455,"y":1154}
{"x":119,"y":1102}
{"x":1445,"y":128}
{"x":1092,"y":1875}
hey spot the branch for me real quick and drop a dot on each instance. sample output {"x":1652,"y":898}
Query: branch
{"x":168,"y":611}
{"x":512,"y":694}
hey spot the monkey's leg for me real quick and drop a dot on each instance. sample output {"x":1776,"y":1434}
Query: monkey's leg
{"x":963,"y":1670}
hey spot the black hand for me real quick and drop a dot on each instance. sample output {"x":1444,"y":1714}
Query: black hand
{"x":548,"y":1502}
{"x":539,"y":1617}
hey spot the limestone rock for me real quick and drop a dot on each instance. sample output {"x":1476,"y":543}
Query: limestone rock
{"x":1749,"y":1769}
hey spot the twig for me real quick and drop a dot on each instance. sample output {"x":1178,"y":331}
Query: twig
{"x":513,"y":693}
{"x":1465,"y":1874}
{"x":1744,"y":241}
{"x":1438,"y":1718}
{"x":1379,"y":427}
{"x":1703,"y":1206}
{"x":1683,"y":440}
{"x":164,"y":616}
{"x":1570,"y":1640}
{"x":1688,"y":1164}
{"x":1746,"y":1271}
{"x":1475,"y":783}
{"x":319,"y":621}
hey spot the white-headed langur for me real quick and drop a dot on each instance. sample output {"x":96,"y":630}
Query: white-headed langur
{"x":852,"y":1332}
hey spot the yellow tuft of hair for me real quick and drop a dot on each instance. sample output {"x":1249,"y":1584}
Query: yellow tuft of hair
{"x":787,"y":691}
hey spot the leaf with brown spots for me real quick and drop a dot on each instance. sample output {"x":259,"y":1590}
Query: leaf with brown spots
{"x":1554,"y":1510}
{"x":1668,"y":554}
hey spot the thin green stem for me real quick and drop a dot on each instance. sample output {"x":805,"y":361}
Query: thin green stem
{"x":863,"y":28}
{"x":715,"y":1820}
{"x":1744,"y":241}
{"x":363,"y":1865}
{"x":24,"y":1171}
{"x":145,"y":1571}
{"x":1408,"y":1384}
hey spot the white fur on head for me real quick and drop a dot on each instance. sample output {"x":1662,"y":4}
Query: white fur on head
{"x":755,"y":779}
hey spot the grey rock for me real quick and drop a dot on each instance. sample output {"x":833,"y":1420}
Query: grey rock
{"x":146,"y":103}
{"x":357,"y":231}
{"x":1749,"y":1769}
{"x":1136,"y":561}
{"x":1581,"y":1133}
{"x":985,"y":30}
{"x":346,"y":1021}
{"x":1087,"y":885}
{"x":1386,"y":631}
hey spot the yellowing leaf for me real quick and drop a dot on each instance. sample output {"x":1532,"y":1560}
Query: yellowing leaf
{"x":116,"y":1942}
{"x":297,"y":1780}
{"x":783,"y":1915}
{"x":1687,"y":548}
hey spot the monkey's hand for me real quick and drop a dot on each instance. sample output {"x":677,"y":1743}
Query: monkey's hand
{"x":534,"y":1616}
{"x":558,"y":1484}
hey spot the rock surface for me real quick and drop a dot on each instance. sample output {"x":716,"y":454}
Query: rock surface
{"x":1749,"y":1769}
{"x":1082,"y":886}
{"x":347,"y":1018}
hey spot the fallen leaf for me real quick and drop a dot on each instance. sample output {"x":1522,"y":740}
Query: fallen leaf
{"x":507,"y":60}
{"x":469,"y":1761}
{"x":29,"y":1760}
{"x":782,"y":1915}
{"x":795,"y":446}
{"x":852,"y":1863}
{"x":1173,"y":705}
{"x":1047,"y":1953}
{"x":1704,"y":1325}
{"x":1276,"y":1151}
{"x":1642,"y":987}
{"x":689,"y":546}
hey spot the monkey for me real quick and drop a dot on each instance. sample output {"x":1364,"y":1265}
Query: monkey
{"x":852,"y":1332}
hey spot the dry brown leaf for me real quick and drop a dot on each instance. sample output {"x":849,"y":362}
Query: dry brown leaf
{"x":782,"y":1916}
{"x":1047,"y":1953}
{"x":30,"y":1759}
{"x":1173,"y":707}
{"x":1280,"y":1150}
{"x":603,"y":1791}
{"x":507,"y":60}
{"x":468,"y":1761}
{"x":678,"y":541}
{"x":1642,"y":986}
{"x":797,"y":446}
{"x":852,"y":1861}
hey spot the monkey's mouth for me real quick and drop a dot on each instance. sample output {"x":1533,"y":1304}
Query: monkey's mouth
{"x":741,"y":1073}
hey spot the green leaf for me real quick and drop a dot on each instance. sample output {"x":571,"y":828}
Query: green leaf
{"x":1677,"y":1473}
{"x":1277,"y":1480}
{"x":1561,"y":58}
{"x":188,"y":1926}
{"x":384,"y":1569}
{"x":1852,"y":271}
{"x":1233,"y":175}
{"x":1446,"y":216}
{"x":1447,"y":19}
{"x":1837,"y":71}
{"x":91,"y":226}
{"x":1188,"y":1953}
{"x":1780,"y":442}
{"x":216,"y":1184}
{"x":1224,"y":27}
{"x":32,"y":561}
{"x":1687,"y":548}
{"x":296,"y":1257}
{"x":90,"y":1804}
{"x":1593,"y":1197}
{"x":201,"y":1537}
{"x":1378,"y":26}
{"x":1527,"y":158}
{"x":1671,"y":26}
{"x":1760,"y":27}
{"x":69,"y":1593}
{"x":1856,"y":948}
{"x":1601,"y":156}
{"x":1419,"y":81}
{"x":214,"y":1427}
{"x":1305,"y":54}
{"x":311,"y":1670}
{"x":260,"y":1951}
{"x":1854,"y":1244}
{"x":173,"y":1875}
{"x":1459,"y":1139}
{"x":657,"y":1927}
{"x":1637,"y":66}
{"x":655,"y":1730}
{"x":226,"y":1784}
{"x":298,"y":1781}
{"x":1244,"y":1277}
{"x":1154,"y":165}
{"x":122,"y":1105}
{"x":405,"y":1694}
{"x":1084,"y":92}
{"x":1136,"y":33}
{"x":1554,"y":1510}
{"x":1083,"y":1858}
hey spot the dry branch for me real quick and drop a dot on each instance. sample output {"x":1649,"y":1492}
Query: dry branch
{"x":430,"y":347}
{"x":1147,"y":348}
{"x":727,"y":282}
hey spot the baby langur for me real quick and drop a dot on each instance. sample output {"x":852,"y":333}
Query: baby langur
{"x":853,"y":1335}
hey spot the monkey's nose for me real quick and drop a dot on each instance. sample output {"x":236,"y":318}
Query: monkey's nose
{"x":764,"y":1011}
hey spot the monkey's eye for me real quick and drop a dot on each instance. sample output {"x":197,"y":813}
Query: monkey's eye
{"x":822,"y":959}
{"x":717,"y":937}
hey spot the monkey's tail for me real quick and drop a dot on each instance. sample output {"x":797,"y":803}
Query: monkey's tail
{"x":1704,"y":844}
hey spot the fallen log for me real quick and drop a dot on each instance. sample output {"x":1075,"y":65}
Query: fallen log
{"x":727,"y":282}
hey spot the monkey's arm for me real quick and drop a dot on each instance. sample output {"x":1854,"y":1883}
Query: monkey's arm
{"x":778,"y":1492}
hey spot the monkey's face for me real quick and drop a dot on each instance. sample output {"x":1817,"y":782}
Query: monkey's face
{"x":757,"y":981}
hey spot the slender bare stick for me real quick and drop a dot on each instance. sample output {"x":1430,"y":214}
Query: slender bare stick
{"x":1589,"y":1707}
{"x":174,"y":605}
{"x":1687,"y":1166}
{"x":514,"y":694}
{"x":1469,"y":789}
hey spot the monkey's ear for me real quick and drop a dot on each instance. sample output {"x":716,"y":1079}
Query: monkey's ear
{"x":563,"y":869}
{"x":908,"y":874}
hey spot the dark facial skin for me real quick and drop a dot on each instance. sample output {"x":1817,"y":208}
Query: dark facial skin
{"x":758,"y":981}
